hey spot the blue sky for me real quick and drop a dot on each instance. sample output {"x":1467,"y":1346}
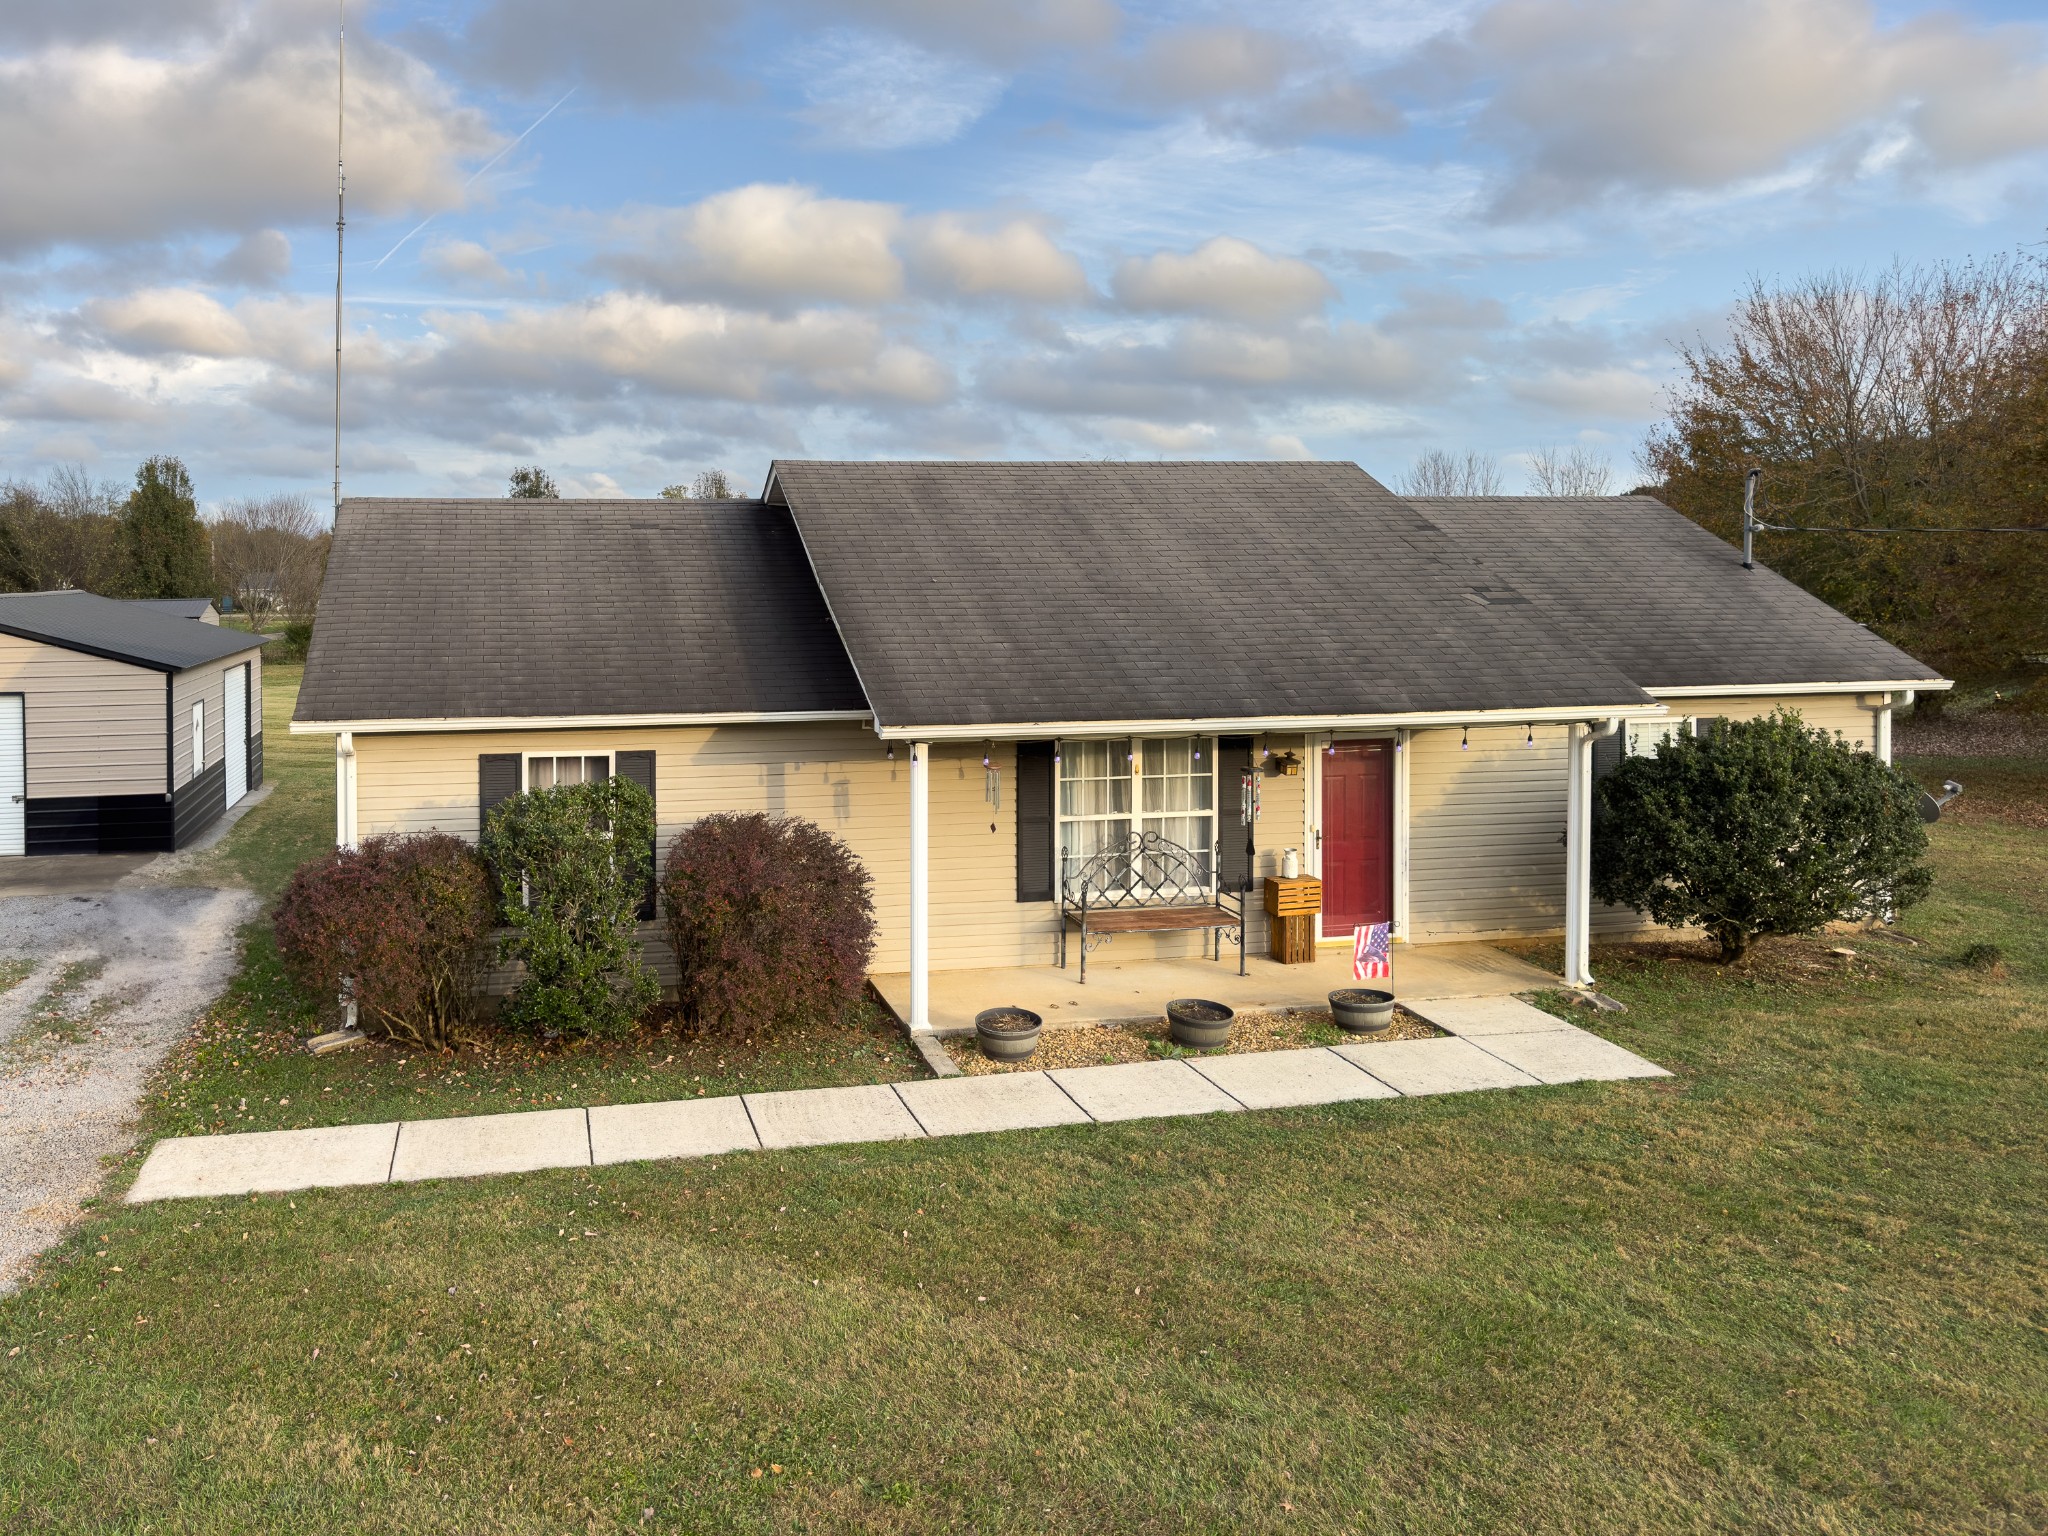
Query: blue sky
{"x":859,"y":228}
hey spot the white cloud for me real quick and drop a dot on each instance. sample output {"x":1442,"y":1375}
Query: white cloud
{"x":1593,"y":96}
{"x":260,"y":259}
{"x":170,"y":320}
{"x":1607,"y":394}
{"x":776,"y":244}
{"x":466,"y":262}
{"x":867,"y":92}
{"x":104,"y":144}
{"x":1225,"y":277}
{"x":1200,"y":64}
{"x":1012,"y":260}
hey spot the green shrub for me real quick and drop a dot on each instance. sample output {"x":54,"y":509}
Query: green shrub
{"x":572,"y":864}
{"x":400,"y":923}
{"x":772,"y":920}
{"x":298,"y":635}
{"x":1764,"y":826}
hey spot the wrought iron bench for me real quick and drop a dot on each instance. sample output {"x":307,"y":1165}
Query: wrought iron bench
{"x":1148,"y":885}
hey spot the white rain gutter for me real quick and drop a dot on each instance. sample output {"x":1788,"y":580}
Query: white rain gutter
{"x":434,"y":723}
{"x":1252,"y":725}
{"x":1935,"y":685}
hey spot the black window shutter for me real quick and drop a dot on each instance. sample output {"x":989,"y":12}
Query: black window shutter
{"x":1607,"y":752}
{"x":1704,"y":726}
{"x":497,"y":780}
{"x":639,"y":767}
{"x":1233,"y":761}
{"x":1034,"y":821}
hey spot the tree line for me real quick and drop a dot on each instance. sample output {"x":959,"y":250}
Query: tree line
{"x":265,"y":556}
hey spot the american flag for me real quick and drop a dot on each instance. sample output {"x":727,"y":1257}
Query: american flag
{"x":1372,"y":952}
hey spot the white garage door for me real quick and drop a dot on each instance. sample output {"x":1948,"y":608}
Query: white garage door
{"x":238,"y":733}
{"x":13,"y":776}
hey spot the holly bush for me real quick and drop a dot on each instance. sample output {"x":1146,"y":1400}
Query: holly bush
{"x":1763,"y":826}
{"x":571,"y":865}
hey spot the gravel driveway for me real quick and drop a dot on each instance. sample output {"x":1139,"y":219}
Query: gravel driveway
{"x":113,"y":981}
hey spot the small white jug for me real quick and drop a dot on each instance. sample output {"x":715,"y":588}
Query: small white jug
{"x":1290,"y":864}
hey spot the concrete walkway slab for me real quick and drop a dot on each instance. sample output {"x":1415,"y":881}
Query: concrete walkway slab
{"x":817,"y":1117}
{"x":1287,"y":1079}
{"x":1010,"y":1101}
{"x":1418,"y":1067}
{"x":1142,"y":1090}
{"x":265,"y":1162}
{"x":474,"y":1144}
{"x":1478,"y":1018}
{"x":638,"y":1133}
{"x":1570,"y":1057}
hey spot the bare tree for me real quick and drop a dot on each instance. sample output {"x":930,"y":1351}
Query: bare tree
{"x":1438,"y":472}
{"x":269,"y":554}
{"x":710,"y":485}
{"x":1577,"y":472}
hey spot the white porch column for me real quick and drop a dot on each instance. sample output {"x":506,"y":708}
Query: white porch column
{"x":345,"y":789}
{"x":1881,"y":732}
{"x":1578,"y":857}
{"x":920,"y":885}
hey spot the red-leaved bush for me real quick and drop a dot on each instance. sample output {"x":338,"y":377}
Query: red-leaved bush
{"x":772,"y":919}
{"x":400,"y":922}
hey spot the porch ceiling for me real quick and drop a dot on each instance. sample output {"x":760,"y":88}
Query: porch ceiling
{"x":1142,"y":988}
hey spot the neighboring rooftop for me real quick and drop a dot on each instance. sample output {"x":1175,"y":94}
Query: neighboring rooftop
{"x":200,"y":608}
{"x":489,"y":609}
{"x":1648,"y":590}
{"x":1030,"y":593}
{"x":142,"y":633}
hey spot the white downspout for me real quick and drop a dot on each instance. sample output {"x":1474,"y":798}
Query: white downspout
{"x":345,"y":789}
{"x":1578,"y":837}
{"x":920,"y":886}
{"x":1881,"y":723}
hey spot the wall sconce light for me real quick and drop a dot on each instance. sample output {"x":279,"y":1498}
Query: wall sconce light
{"x":1532,"y":737}
{"x":1466,"y":744}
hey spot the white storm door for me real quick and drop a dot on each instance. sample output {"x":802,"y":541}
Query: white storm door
{"x":13,"y":776}
{"x":238,"y":733}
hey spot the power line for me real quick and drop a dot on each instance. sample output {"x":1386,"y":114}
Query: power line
{"x":1763,"y":527}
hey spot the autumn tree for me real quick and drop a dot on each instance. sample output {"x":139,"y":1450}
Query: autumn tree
{"x":710,"y":485}
{"x":532,"y":483}
{"x":1914,"y":399}
{"x":269,"y":554}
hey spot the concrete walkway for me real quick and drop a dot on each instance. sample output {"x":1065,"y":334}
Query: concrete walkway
{"x":1495,"y":1042}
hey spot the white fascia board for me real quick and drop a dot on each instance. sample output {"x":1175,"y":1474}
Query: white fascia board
{"x":1755,"y":690}
{"x":1550,"y":715}
{"x":570,"y":722}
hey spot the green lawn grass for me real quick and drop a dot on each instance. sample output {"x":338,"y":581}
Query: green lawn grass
{"x":1798,"y":1287}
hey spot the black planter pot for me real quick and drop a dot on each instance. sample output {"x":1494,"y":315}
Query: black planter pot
{"x":1361,"y":1010}
{"x":1007,"y":1034}
{"x":1199,"y":1024}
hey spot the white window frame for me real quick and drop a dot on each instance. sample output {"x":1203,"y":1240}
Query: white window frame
{"x":1135,"y":816}
{"x":198,"y":739}
{"x":526,"y":760}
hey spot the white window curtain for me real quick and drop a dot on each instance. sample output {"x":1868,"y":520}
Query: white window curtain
{"x":587,"y":768}
{"x":1110,"y":789}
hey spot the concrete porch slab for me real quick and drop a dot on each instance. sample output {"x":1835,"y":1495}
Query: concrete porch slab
{"x":817,"y":1117}
{"x":1479,"y":1018}
{"x":638,"y":1133}
{"x":1142,"y":988}
{"x":1573,"y":1056}
{"x":1287,"y":1079}
{"x":1142,"y":1090}
{"x":1011,"y":1101}
{"x":265,"y":1162}
{"x":474,"y":1144}
{"x":1417,"y":1067}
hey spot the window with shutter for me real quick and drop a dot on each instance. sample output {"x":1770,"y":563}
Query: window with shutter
{"x":497,"y":780}
{"x":1034,"y":821}
{"x":639,"y":768}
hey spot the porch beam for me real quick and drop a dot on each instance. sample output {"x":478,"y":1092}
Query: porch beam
{"x":344,"y":790}
{"x":1578,"y":837}
{"x":920,"y":886}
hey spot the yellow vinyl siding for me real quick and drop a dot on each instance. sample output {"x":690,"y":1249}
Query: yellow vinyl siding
{"x":95,"y":727}
{"x":1486,"y":826}
{"x":837,"y":775}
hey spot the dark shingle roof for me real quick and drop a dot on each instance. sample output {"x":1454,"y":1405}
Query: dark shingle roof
{"x":1629,"y":580}
{"x":486,"y":609}
{"x":178,"y":607}
{"x":1016,"y":593}
{"x":140,"y":633}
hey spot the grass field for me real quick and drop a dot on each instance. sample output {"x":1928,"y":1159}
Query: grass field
{"x":1799,"y":1287}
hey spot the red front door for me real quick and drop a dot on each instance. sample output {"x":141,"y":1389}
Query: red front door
{"x":1358,"y":836}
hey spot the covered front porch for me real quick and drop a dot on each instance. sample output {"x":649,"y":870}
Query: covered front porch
{"x":1142,"y":988}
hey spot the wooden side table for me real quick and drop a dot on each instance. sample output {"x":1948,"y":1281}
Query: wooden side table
{"x":1292,"y":905}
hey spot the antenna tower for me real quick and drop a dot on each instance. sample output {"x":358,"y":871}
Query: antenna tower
{"x":340,"y":223}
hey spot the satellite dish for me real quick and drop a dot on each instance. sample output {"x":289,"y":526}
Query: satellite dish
{"x":1930,"y":806}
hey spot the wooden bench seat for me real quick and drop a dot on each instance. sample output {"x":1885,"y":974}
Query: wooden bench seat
{"x":1156,"y":919}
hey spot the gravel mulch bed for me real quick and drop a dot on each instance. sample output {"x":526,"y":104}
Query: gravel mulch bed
{"x":1098,"y":1045}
